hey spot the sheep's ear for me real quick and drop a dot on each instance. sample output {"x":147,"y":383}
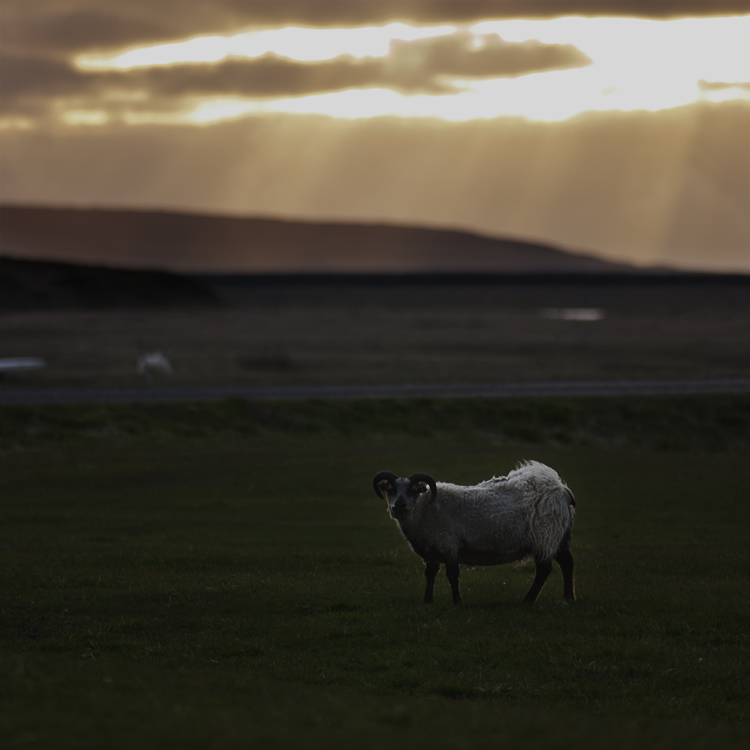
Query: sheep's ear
{"x":420,"y":479}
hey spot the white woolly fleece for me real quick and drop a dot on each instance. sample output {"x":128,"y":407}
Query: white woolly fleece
{"x":500,"y":520}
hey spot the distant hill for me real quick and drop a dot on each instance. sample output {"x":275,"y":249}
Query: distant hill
{"x":191,"y":243}
{"x":39,"y":285}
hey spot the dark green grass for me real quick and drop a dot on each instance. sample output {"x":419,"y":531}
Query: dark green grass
{"x":719,"y":423}
{"x":175,"y":577}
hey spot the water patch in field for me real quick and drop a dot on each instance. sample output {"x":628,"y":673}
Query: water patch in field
{"x":583,"y":314}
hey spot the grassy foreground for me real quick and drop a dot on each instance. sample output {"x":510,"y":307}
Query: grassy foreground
{"x":222,"y":575}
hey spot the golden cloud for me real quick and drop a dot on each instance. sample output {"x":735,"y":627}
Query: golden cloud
{"x":73,"y":26}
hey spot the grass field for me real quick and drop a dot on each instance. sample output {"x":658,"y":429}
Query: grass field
{"x":222,"y":575}
{"x":338,"y":334}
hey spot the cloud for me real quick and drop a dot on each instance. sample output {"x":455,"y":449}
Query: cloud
{"x":721,"y":86}
{"x":72,"y":26}
{"x":75,"y":26}
{"x":463,"y":55}
{"x":422,"y":66}
{"x":29,"y":76}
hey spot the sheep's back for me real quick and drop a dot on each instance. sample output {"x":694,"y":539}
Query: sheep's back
{"x":481,"y":525}
{"x":505,"y":518}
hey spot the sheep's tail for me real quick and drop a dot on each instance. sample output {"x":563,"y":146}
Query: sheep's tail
{"x":571,"y":496}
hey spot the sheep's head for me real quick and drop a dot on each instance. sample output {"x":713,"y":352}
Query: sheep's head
{"x":402,"y":492}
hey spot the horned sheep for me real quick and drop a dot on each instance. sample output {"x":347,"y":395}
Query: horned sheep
{"x":529,"y":512}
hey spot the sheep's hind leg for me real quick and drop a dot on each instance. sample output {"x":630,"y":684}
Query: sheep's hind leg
{"x":430,"y":571}
{"x":565,"y":561}
{"x":452,"y":571}
{"x":543,"y":569}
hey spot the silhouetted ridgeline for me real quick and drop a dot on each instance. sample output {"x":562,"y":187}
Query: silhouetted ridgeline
{"x":299,"y":262}
{"x":191,"y":243}
{"x":37,"y":285}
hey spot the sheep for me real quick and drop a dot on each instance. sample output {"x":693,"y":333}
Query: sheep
{"x":501,"y":520}
{"x":152,"y":362}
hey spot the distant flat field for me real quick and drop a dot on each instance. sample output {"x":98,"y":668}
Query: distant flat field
{"x":319,"y":334}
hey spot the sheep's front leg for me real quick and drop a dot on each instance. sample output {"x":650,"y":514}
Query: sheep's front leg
{"x":430,"y":571}
{"x":543,"y":569}
{"x":452,"y":572}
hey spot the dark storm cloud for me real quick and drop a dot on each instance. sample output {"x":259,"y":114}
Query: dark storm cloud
{"x":27,"y":84}
{"x":265,"y":77}
{"x":71,"y":26}
{"x":29,"y":76}
{"x":423,"y":66}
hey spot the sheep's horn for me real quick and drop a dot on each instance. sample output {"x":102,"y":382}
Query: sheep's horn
{"x":383,"y":476}
{"x":427,"y":479}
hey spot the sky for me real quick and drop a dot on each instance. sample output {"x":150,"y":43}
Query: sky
{"x":616,"y":127}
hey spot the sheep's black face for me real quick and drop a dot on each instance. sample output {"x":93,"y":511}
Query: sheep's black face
{"x":402,"y":495}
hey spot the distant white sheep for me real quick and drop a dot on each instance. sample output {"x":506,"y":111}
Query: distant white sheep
{"x":504,"y":519}
{"x":153,"y":362}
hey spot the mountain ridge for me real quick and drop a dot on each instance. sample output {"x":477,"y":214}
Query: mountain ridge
{"x":192,"y":243}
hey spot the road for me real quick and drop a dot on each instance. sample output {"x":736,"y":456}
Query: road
{"x":160,"y":394}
